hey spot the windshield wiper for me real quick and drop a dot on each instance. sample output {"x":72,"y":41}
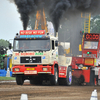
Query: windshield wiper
{"x":29,"y":50}
{"x":23,"y":50}
{"x":20,"y":51}
{"x":38,"y":50}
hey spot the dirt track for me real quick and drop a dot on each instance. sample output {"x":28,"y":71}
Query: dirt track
{"x":11,"y":91}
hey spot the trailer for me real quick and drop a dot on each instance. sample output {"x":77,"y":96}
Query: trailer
{"x":86,"y":69}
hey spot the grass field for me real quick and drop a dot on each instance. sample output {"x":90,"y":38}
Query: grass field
{"x":6,"y":78}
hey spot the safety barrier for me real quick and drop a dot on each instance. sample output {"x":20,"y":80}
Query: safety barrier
{"x":24,"y":97}
{"x":3,"y":72}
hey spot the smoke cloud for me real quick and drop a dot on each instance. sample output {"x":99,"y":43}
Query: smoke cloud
{"x":25,"y":7}
{"x":55,"y":8}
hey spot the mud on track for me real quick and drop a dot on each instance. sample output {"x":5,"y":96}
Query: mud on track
{"x":12,"y":91}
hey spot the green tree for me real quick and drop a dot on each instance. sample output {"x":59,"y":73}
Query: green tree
{"x":95,"y":24}
{"x":4,"y":43}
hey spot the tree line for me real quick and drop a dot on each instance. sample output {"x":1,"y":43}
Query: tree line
{"x":4,"y":43}
{"x":95,"y":24}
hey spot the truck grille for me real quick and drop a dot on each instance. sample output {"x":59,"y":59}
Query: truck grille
{"x":30,"y":59}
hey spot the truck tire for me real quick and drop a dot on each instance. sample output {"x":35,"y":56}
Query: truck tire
{"x":92,"y":77}
{"x":5,"y":63}
{"x":54,"y":78}
{"x":19,"y":80}
{"x":68,"y":80}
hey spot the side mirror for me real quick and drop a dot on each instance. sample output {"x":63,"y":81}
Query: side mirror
{"x":10,"y":45}
{"x":56,"y":43}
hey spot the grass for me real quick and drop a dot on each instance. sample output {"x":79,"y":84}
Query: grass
{"x":6,"y":78}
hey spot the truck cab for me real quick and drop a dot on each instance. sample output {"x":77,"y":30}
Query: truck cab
{"x":35,"y":57}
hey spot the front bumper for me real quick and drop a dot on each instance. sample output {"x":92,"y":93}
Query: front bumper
{"x":39,"y":69}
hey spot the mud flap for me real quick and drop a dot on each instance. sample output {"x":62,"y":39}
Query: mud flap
{"x":98,"y":78}
{"x":92,"y":78}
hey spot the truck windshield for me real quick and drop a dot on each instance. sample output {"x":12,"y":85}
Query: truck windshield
{"x":31,"y":45}
{"x":90,"y":44}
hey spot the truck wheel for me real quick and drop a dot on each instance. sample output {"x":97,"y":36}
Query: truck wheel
{"x":19,"y":80}
{"x":69,"y":77}
{"x":54,"y":78}
{"x":68,"y":80}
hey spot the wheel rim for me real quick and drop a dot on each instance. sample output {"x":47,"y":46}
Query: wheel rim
{"x":70,"y":77}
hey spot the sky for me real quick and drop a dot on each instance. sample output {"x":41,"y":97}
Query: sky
{"x":10,"y":22}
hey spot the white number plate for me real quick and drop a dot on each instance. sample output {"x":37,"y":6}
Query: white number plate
{"x":30,"y":72}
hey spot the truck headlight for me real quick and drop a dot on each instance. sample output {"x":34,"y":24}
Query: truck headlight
{"x":44,"y":69}
{"x":16,"y":69}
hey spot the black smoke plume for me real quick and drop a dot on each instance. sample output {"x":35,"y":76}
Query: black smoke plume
{"x":55,"y":8}
{"x":25,"y":7}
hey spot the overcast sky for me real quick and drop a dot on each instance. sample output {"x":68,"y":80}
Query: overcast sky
{"x":10,"y":22}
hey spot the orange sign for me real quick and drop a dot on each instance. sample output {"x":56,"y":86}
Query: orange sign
{"x":32,"y":32}
{"x":30,"y":68}
{"x":89,"y":61}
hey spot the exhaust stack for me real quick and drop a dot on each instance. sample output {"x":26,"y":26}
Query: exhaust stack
{"x":56,"y":34}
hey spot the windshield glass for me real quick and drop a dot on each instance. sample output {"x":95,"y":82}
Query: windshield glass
{"x":90,"y":44}
{"x":32,"y":45}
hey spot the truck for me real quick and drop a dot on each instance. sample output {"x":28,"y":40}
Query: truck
{"x":35,"y":57}
{"x":86,"y":68}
